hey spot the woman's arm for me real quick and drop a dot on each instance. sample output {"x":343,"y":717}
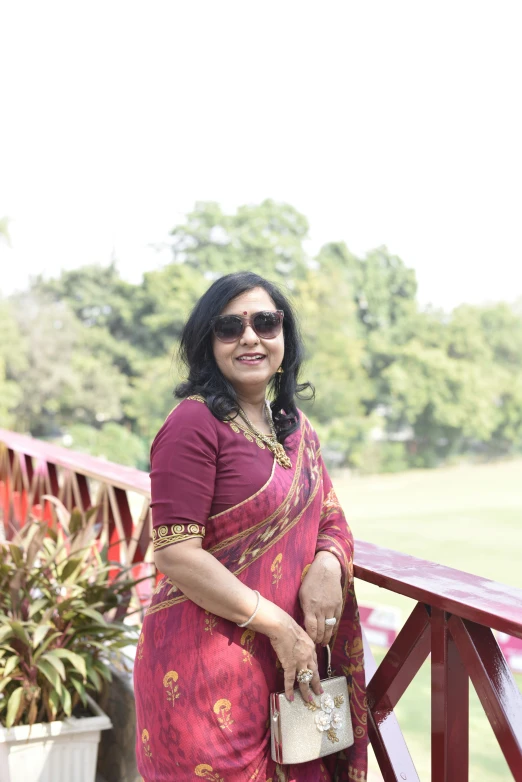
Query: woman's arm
{"x":209,"y":584}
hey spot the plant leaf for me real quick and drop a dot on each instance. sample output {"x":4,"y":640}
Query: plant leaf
{"x":35,"y":546}
{"x":66,"y":701}
{"x":71,"y":569}
{"x":75,"y":659}
{"x":75,"y":522}
{"x":11,"y":664}
{"x":17,"y":555}
{"x":80,"y":689}
{"x":55,"y":661}
{"x":103,"y":670}
{"x":61,"y":511}
{"x":4,"y":681}
{"x":45,"y":645}
{"x":93,"y":614}
{"x":19,"y":631}
{"x":13,"y":706}
{"x":39,"y":634}
{"x":5,"y":633}
{"x":50,"y":673}
{"x":37,"y":606}
{"x":94,"y":677}
{"x":54,"y":702}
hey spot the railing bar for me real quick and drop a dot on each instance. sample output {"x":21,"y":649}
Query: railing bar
{"x":478,"y":599}
{"x":385,"y":734}
{"x":141,"y":536}
{"x":449,"y":705}
{"x":126,"y":478}
{"x":402,"y":661}
{"x":495,"y":686}
{"x":122,"y":541}
{"x":76,"y":491}
{"x":85,"y":494}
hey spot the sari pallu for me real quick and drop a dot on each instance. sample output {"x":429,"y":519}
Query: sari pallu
{"x":202,"y":684}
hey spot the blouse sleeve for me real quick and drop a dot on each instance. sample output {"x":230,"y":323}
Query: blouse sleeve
{"x":183,"y":473}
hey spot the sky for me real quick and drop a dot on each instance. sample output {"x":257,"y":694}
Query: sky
{"x":394,"y":124}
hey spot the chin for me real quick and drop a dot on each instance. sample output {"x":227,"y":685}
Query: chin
{"x":250,"y":378}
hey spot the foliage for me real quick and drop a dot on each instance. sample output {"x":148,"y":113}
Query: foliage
{"x":90,"y":355}
{"x":57,"y":627}
{"x":112,"y":441}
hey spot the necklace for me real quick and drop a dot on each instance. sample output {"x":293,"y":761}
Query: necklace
{"x":270,"y":440}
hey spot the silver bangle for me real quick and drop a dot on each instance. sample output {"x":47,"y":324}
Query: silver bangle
{"x":245,"y":624}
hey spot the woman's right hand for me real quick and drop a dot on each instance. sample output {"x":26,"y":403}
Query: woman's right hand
{"x":295,"y":651}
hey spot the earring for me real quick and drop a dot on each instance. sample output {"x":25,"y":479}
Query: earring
{"x":280,"y":371}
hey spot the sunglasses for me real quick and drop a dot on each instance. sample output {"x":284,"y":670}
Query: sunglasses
{"x":230,"y":328}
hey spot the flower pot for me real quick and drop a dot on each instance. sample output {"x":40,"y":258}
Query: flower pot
{"x":53,"y":751}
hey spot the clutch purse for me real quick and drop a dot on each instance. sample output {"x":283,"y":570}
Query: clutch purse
{"x":306,"y":731}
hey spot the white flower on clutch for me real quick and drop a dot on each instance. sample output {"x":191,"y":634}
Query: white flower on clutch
{"x":322,"y":720}
{"x":327,"y":703}
{"x":336,"y":720}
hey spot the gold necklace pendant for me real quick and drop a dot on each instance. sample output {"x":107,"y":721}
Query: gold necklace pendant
{"x":281,"y":456}
{"x":270,"y":441}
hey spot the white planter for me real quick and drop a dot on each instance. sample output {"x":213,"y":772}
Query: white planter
{"x":53,"y":751}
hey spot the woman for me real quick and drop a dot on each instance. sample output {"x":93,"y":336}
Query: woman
{"x":255,"y":551}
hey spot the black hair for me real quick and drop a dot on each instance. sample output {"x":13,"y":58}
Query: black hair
{"x":205,"y":377}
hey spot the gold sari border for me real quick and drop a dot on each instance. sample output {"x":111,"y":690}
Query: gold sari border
{"x":248,"y":499}
{"x":291,"y":490}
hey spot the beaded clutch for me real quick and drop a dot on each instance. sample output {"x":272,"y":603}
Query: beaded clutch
{"x":307,"y":731}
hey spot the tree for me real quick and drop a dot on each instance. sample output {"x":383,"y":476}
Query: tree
{"x":267,"y":238}
{"x":60,"y":379}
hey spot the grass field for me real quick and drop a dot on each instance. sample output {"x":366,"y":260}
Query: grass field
{"x":467,"y":517}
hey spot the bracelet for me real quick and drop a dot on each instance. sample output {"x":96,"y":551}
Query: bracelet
{"x":245,"y":624}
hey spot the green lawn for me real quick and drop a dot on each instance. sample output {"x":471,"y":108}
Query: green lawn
{"x":467,"y":517}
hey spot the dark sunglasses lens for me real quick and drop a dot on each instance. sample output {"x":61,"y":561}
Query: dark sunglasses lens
{"x":267,"y":325}
{"x":228,"y":328}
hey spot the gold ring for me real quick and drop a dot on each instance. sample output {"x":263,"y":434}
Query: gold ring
{"x":305,"y":676}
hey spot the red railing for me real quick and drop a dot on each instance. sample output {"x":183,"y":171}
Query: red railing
{"x":31,"y":469}
{"x":453,"y":619}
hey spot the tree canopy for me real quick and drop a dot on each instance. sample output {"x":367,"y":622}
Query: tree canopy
{"x":90,"y":359}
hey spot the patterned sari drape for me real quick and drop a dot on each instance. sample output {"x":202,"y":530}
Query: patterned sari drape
{"x":202,"y":684}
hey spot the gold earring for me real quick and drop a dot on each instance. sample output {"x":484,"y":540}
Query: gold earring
{"x":280,"y":371}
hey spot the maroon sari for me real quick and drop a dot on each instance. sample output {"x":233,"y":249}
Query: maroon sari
{"x":202,"y":684}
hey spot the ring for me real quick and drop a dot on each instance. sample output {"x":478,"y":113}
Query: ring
{"x":330,"y":622}
{"x":305,"y":676}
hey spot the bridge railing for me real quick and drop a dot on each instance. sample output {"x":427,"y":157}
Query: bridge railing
{"x":453,"y":619}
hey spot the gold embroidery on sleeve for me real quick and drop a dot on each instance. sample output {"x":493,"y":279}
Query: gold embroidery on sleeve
{"x":175,"y":533}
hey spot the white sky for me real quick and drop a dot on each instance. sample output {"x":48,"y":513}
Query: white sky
{"x":394,"y":123}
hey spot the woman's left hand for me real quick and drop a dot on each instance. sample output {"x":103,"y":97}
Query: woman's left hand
{"x":321,"y":596}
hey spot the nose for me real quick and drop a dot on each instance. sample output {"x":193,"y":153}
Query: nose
{"x":249,"y":336}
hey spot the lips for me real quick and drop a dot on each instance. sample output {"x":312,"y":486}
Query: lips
{"x":251,"y":358}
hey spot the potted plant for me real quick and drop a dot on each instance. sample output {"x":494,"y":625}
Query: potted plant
{"x":60,"y":597}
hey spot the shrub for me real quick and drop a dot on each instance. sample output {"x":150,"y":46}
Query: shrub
{"x":59,"y":597}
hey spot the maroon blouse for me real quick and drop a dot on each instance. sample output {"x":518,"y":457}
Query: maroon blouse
{"x":200,"y":467}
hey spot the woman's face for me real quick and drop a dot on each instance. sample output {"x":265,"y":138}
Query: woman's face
{"x":249,"y":374}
